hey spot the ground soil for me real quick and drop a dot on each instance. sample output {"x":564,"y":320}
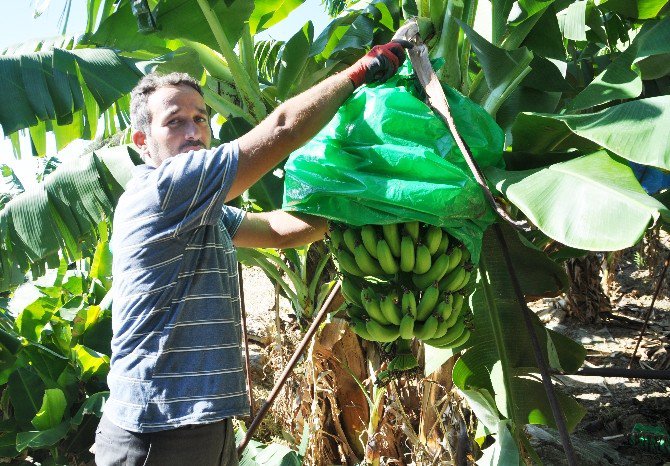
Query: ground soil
{"x":614,"y":405}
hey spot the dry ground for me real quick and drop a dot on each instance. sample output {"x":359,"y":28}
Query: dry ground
{"x":615,"y":405}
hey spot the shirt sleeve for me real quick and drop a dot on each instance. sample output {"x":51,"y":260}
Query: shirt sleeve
{"x":192,"y":187}
{"x":232,"y":218}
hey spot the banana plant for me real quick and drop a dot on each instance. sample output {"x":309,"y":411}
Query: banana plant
{"x":55,"y":335}
{"x":60,"y":217}
{"x":579,"y":88}
{"x":305,"y":284}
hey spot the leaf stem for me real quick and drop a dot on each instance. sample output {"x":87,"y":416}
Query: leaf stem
{"x":224,"y":106}
{"x":242,"y":78}
{"x":246,"y":45}
{"x":498,"y":337}
{"x":496,"y":98}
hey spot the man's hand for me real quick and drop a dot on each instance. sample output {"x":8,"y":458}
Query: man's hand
{"x":378,"y":64}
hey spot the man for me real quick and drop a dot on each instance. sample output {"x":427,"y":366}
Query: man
{"x":176,"y":374}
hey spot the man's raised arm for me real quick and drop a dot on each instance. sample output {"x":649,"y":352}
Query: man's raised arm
{"x":298,"y":119}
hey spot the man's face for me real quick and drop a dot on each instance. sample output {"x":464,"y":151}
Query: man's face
{"x":179,"y":123}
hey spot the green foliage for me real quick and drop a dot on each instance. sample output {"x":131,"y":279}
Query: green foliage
{"x":498,"y":372}
{"x":273,"y":454}
{"x":604,"y":190}
{"x":65,"y":91}
{"x":305,"y":283}
{"x":579,"y":87}
{"x":71,"y":202}
{"x":52,"y":361}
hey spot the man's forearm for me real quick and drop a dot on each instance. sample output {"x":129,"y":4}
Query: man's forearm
{"x":287,"y":128}
{"x":279,"y":229}
{"x":298,"y":119}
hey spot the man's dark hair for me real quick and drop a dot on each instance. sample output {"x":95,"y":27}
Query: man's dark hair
{"x":140,"y":117}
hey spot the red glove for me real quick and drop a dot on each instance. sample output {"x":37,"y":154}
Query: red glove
{"x":378,"y":64}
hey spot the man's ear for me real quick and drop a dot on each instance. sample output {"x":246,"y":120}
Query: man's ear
{"x":140,"y":139}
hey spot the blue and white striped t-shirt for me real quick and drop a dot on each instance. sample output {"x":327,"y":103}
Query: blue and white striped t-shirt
{"x":176,"y":349}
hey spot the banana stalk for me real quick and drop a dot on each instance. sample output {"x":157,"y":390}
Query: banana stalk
{"x":447,"y":47}
{"x":246,"y":47}
{"x":469,"y":13}
{"x":241,"y":78}
{"x":225,"y":107}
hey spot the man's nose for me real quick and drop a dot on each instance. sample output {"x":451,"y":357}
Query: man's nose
{"x":192,"y":131}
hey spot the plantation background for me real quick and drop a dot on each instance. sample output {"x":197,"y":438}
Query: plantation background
{"x":581,"y":92}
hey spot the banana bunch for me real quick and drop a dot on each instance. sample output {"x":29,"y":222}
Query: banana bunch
{"x":437,"y":318}
{"x":403,"y":281}
{"x":422,"y":253}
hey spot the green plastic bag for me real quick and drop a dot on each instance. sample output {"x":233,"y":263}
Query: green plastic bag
{"x":387,"y":158}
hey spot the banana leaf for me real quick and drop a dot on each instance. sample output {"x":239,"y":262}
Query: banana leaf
{"x":71,"y":202}
{"x":503,"y":70}
{"x":637,"y":130}
{"x":267,"y":13}
{"x":498,"y":371}
{"x":602,"y":190}
{"x":56,"y":85}
{"x":622,"y":79}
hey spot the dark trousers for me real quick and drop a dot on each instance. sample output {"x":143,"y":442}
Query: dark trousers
{"x":196,"y":445}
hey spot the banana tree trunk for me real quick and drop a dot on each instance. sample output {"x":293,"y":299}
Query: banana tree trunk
{"x":436,"y":387}
{"x":586,"y":296}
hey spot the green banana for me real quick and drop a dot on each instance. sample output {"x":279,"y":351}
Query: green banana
{"x":382,"y":333}
{"x":348,"y":263}
{"x":432,"y":238}
{"x":385,"y":258}
{"x":441,"y":328}
{"x":444,"y":307}
{"x":408,"y":303}
{"x":412,"y":229}
{"x":459,"y":299}
{"x":356,"y":312}
{"x":369,"y":237}
{"x":452,"y":334}
{"x":453,"y":317}
{"x":465,"y":257}
{"x":351,"y":238}
{"x":422,"y":260}
{"x":444,"y":244}
{"x":460,"y":340}
{"x":407,"y":256}
{"x":427,"y":302}
{"x":372,"y":307}
{"x":426,"y":330}
{"x":390,"y":308}
{"x":454,"y":258}
{"x":365,"y":261}
{"x":453,"y":279}
{"x":407,"y":327}
{"x":403,"y":362}
{"x":360,"y":328}
{"x":351,"y":291}
{"x":392,"y":237}
{"x":435,"y":273}
{"x":465,"y":281}
{"x":335,"y":235}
